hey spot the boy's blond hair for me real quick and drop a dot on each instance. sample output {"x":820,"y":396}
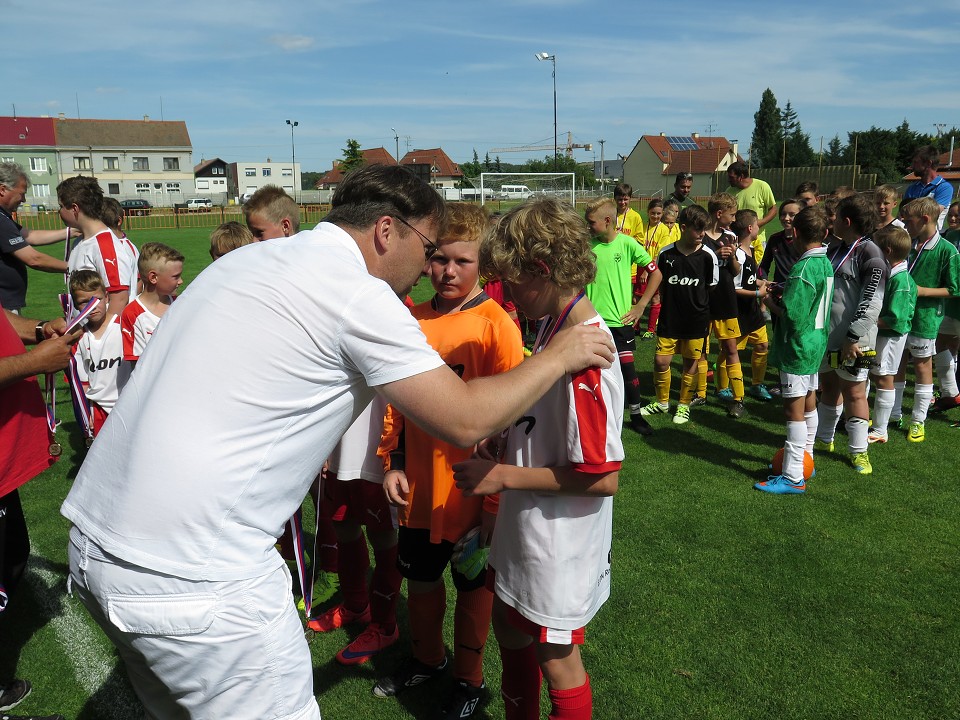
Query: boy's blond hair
{"x":273,"y":204}
{"x":721,"y":201}
{"x":466,"y":222}
{"x":895,"y":240}
{"x":542,"y":238}
{"x":85,"y":281}
{"x":922,"y":206}
{"x":229,"y":236}
{"x":887,"y":192}
{"x":154,"y":255}
{"x":599,"y":204}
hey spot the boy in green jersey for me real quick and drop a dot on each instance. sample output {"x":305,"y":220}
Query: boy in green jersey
{"x":896,"y":316}
{"x":799,"y":344}
{"x":935,"y":266}
{"x":611,"y":293}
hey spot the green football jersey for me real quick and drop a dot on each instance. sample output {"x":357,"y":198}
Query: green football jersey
{"x":899,"y":301}
{"x":611,"y":291}
{"x":800,"y":336}
{"x":933,"y":264}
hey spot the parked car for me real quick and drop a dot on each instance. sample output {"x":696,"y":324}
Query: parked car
{"x":199,"y":205}
{"x":135,"y":207}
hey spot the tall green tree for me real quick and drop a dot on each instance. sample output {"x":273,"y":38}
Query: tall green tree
{"x":836,"y":153}
{"x":766,"y":144}
{"x":487,"y":165}
{"x":796,"y":151}
{"x":352,"y":156}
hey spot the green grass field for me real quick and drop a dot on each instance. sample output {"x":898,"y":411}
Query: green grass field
{"x":727,"y":603}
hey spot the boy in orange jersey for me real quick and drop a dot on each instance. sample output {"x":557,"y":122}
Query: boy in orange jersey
{"x":476,"y":338}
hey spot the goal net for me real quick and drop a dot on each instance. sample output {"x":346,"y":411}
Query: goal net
{"x":520,"y":186}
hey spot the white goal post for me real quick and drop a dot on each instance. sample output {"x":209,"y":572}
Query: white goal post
{"x":520,"y":186}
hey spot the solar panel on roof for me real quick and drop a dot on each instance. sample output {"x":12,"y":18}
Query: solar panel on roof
{"x":679,"y":142}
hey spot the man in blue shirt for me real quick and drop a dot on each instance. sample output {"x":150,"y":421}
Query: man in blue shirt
{"x":926,"y":160}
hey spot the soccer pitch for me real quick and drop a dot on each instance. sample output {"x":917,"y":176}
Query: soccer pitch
{"x":726,"y":602}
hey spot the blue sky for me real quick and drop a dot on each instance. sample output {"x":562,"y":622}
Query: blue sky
{"x":463,"y":75}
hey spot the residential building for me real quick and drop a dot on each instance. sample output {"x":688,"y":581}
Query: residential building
{"x":248,"y":177}
{"x":30,"y":142}
{"x":211,"y":179}
{"x":146,"y":159}
{"x":653,"y":164}
{"x":371,"y":156}
{"x":434,"y":166}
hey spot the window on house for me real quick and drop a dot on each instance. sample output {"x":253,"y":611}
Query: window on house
{"x":6,"y":159}
{"x":171,"y":163}
{"x":40,"y":190}
{"x":143,"y":187}
{"x":250,"y":172}
{"x":288,"y":189}
{"x":81,"y":162}
{"x":141,"y":163}
{"x":217,"y":171}
{"x":266,"y":172}
{"x":286,"y":172}
{"x":113,"y":188}
{"x":38,"y":164}
{"x":111,"y":163}
{"x":203,"y":184}
{"x":173,"y":187}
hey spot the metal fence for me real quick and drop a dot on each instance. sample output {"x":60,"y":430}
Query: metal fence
{"x":784,"y":181}
{"x":170,"y":218}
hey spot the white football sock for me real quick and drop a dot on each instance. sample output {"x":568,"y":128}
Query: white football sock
{"x":827,"y":423}
{"x":882,"y":406}
{"x":793,"y":450}
{"x":922,"y":396}
{"x":946,"y":365}
{"x":857,"y":431}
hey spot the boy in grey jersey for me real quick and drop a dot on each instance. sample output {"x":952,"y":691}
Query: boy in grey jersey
{"x":860,"y":275}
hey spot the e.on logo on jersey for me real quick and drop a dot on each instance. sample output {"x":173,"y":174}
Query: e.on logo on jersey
{"x":676,"y":280}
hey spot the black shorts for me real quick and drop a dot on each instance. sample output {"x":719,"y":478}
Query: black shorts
{"x":624,"y":338}
{"x":421,"y":560}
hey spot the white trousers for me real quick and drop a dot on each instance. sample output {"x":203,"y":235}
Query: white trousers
{"x":200,"y":649}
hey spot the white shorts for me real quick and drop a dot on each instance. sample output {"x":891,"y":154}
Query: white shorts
{"x":794,"y":386}
{"x":921,"y":347}
{"x":950,"y":326}
{"x":889,"y":354}
{"x":855,"y":376}
{"x":194,"y":648}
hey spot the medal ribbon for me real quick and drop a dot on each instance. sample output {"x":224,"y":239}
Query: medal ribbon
{"x":82,"y":409}
{"x":919,"y":253}
{"x":49,"y":382}
{"x":845,"y":257}
{"x":549,"y":330}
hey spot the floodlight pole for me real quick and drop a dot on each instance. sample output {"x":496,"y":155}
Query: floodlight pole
{"x":293,"y":156}
{"x":553,"y":59}
{"x":603,"y":169}
{"x":396,"y":139}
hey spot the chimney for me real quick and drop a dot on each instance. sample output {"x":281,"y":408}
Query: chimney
{"x":695,"y":135}
{"x":663,"y":134}
{"x":146,"y":118}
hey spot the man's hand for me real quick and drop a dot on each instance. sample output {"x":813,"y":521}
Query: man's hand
{"x":582,"y":346}
{"x":850,"y":351}
{"x":395,"y":486}
{"x":478,"y":477}
{"x":55,"y":328}
{"x":54,"y":354}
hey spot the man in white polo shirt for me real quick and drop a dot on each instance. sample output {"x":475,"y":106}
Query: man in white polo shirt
{"x":255,"y":373}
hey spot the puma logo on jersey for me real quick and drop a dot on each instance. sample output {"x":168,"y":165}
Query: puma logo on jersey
{"x":109,"y":260}
{"x":127,"y":331}
{"x":668,"y":261}
{"x":403,"y":563}
{"x":591,"y":390}
{"x":376,"y":515}
{"x":515,"y":701}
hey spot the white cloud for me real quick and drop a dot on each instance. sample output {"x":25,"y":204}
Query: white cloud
{"x":292,"y":43}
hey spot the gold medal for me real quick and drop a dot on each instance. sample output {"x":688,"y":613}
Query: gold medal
{"x":55,"y":449}
{"x":88,"y":441}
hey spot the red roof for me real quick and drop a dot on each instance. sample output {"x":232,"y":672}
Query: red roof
{"x":27,"y":131}
{"x":373,"y":156}
{"x":949,"y":170}
{"x":705,"y":160}
{"x":436,"y":158}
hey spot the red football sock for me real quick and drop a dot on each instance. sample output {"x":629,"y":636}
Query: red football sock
{"x":385,"y":588}
{"x":654,"y":316}
{"x":353,"y":563}
{"x":520,"y":685}
{"x":572,"y":704}
{"x":425,"y":613}
{"x":471,"y":625}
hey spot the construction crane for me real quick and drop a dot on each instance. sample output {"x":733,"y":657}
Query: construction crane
{"x":569,"y":148}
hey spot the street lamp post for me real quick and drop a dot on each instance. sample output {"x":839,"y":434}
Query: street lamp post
{"x":293,"y":156}
{"x":553,"y":59}
{"x":396,"y":138}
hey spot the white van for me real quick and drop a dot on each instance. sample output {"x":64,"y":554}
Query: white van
{"x":514,"y":192}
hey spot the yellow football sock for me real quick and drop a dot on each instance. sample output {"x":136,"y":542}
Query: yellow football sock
{"x":735,"y":373}
{"x":759,"y":367}
{"x":720,"y":375}
{"x":661,"y":385}
{"x":687,"y":383}
{"x":701,"y":376}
